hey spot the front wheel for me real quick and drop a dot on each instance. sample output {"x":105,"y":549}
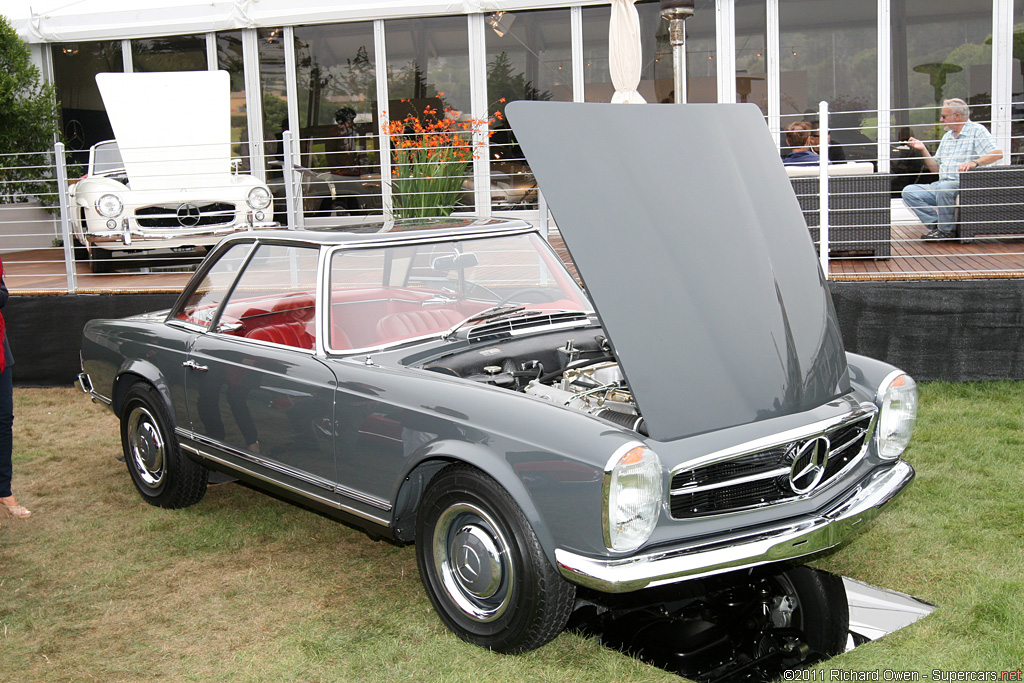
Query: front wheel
{"x":483,"y":566}
{"x":163,"y":475}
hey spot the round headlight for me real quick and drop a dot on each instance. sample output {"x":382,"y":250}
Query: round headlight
{"x":897,"y":400}
{"x":259,"y":198}
{"x":632,"y":497}
{"x":109,"y":206}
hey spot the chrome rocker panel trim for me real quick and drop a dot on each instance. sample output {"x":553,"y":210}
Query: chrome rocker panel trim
{"x":798,"y":538}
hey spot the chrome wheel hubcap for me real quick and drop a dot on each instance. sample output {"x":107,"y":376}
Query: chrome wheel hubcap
{"x":146,"y":447}
{"x":471,"y":556}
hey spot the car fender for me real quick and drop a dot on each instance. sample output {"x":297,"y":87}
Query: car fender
{"x":444,"y":452}
{"x":134,"y":370}
{"x":868,"y":373}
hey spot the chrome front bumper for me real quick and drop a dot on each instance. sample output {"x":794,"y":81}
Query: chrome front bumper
{"x":131,"y":236}
{"x":795,"y":539}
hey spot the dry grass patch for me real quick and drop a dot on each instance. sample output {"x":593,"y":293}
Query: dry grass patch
{"x":99,"y":586}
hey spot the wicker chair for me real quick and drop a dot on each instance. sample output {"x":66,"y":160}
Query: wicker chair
{"x":859,"y":214}
{"x":991,"y":202}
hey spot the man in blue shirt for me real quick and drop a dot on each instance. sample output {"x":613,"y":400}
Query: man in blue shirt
{"x":965,"y":146}
{"x":798,"y":137}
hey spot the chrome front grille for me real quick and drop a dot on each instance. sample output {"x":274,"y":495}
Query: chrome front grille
{"x":185,"y":215}
{"x":765,"y":476}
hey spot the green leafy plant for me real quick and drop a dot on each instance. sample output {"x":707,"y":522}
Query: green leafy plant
{"x":431,"y":155}
{"x":28,"y":124}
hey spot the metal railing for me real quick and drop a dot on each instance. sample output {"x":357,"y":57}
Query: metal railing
{"x":854,"y":212}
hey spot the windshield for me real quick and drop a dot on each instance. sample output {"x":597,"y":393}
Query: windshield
{"x":106,"y":157}
{"x":382,"y":296}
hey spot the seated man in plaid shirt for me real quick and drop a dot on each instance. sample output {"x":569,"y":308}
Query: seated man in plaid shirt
{"x":965,"y":146}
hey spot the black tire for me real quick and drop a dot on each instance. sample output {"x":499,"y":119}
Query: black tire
{"x":163,"y":475}
{"x":517,"y":601}
{"x":822,"y":611}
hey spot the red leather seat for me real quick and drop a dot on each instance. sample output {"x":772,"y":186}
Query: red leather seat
{"x":410,"y":324}
{"x":293,"y":334}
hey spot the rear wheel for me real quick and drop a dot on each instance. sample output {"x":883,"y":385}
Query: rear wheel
{"x":483,"y":566}
{"x":163,"y":475}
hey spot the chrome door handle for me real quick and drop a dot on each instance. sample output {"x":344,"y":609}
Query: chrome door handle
{"x":195,"y":366}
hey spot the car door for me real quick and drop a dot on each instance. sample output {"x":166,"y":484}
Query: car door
{"x":259,"y":398}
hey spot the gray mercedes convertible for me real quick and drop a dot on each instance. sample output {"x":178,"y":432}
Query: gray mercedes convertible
{"x":683,"y":409}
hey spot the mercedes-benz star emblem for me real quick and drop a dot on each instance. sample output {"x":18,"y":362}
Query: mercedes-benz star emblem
{"x":809,"y":465}
{"x":188,"y":215}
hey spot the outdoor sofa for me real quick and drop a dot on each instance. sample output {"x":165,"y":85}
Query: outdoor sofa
{"x":859,"y":216}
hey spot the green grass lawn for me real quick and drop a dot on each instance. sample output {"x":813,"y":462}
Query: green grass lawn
{"x":99,"y":586}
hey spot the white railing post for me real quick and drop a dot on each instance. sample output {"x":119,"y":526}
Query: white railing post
{"x":823,"y":186}
{"x":65,"y":225}
{"x":288,"y":178}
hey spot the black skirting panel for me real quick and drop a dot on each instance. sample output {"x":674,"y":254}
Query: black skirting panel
{"x":958,"y":330}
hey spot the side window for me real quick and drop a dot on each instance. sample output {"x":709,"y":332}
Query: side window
{"x":275,"y":298}
{"x":202,"y":304}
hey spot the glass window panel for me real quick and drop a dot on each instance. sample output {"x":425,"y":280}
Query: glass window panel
{"x":751,"y":41}
{"x":274,"y":98}
{"x":202,"y":304}
{"x":170,"y":53}
{"x":428,"y":85}
{"x":83,"y":117}
{"x":427,"y":59}
{"x":337,"y":89}
{"x":656,"y":72}
{"x":229,"y":58}
{"x":529,"y":57}
{"x":828,"y":51}
{"x":701,"y":53}
{"x":1017,"y":126}
{"x":941,"y":49}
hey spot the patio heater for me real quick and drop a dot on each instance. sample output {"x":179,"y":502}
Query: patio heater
{"x":676,"y":12}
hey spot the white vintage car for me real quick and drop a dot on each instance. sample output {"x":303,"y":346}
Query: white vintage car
{"x":167,"y":181}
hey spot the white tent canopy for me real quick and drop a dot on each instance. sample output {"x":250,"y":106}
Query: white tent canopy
{"x":55,"y":21}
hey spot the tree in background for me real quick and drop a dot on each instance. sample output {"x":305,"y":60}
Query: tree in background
{"x":28,"y":123}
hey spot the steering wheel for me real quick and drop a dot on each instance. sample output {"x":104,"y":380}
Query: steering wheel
{"x":546,"y":296}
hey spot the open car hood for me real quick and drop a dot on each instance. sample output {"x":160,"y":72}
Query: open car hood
{"x":689,"y":240}
{"x":173,"y":129}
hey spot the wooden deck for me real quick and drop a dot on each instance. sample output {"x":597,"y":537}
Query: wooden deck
{"x":42,"y":271}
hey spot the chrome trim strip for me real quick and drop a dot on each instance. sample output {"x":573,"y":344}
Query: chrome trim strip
{"x":802,"y":536}
{"x":693,"y":488}
{"x":332,"y":487}
{"x":780,"y":439}
{"x":854,"y":416}
{"x":85,"y":383}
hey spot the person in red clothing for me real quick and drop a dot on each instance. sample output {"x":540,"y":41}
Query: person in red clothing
{"x":8,"y":505}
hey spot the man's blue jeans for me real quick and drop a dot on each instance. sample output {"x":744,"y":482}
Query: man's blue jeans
{"x":934,"y":203}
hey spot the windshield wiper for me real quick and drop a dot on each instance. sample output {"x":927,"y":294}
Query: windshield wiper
{"x":491,"y":313}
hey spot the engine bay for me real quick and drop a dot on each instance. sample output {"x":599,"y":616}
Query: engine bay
{"x":574,"y":368}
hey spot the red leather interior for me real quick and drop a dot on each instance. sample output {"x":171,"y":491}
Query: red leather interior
{"x":408,"y":324}
{"x":289,"y":334}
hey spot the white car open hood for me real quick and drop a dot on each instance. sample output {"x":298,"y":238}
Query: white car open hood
{"x":690,"y":242}
{"x":173,"y":129}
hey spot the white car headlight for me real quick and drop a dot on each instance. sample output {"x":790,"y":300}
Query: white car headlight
{"x":109,"y":206}
{"x":632,"y":497}
{"x":259,"y":198}
{"x":897,"y":400}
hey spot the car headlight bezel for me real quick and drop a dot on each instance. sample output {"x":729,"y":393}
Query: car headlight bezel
{"x":632,"y":497}
{"x":259,"y":198}
{"x":897,"y":412}
{"x":109,"y":206}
